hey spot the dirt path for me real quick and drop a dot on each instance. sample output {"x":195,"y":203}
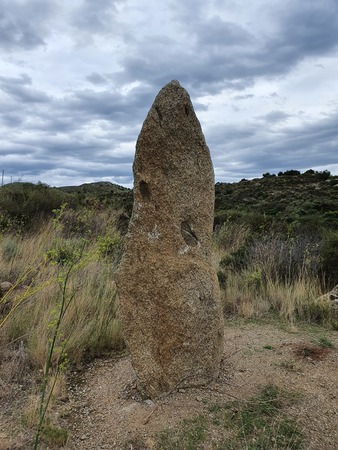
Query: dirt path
{"x":105,"y":412}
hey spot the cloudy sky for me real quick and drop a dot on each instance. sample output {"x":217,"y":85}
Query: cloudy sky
{"x":78,"y":77}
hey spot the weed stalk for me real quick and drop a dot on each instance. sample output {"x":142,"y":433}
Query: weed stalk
{"x":55,"y":325}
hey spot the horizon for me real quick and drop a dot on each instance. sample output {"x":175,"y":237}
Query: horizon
{"x":131,"y":186}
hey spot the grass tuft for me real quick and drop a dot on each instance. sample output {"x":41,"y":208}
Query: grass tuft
{"x":260,"y":423}
{"x":189,"y":435}
{"x":324,"y":342}
{"x":54,"y":436}
{"x":257,"y":423}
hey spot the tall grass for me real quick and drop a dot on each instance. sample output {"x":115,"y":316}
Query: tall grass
{"x":248,"y":295}
{"x":272,"y":273}
{"x":258,"y":275}
{"x":90,"y":325}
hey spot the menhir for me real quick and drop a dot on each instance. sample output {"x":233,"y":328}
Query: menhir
{"x":168,"y":288}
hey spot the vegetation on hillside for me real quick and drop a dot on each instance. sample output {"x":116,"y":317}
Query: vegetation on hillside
{"x":289,"y":202}
{"x":102,"y":194}
{"x":292,"y":216}
{"x":24,"y":206}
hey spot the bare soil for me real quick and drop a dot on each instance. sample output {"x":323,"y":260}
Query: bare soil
{"x":103,"y":410}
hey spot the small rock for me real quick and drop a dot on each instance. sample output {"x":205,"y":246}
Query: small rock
{"x":6,"y":286}
{"x":331,"y":297}
{"x":149,"y":402}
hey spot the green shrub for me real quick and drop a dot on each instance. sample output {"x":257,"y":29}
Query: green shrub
{"x":64,"y":252}
{"x":279,"y":258}
{"x":318,"y":312}
{"x":110,"y":246}
{"x":9,"y":248}
{"x":54,"y":436}
{"x":237,"y":260}
{"x":22,"y":205}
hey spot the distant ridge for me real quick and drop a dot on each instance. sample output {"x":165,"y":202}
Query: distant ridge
{"x":95,"y":187}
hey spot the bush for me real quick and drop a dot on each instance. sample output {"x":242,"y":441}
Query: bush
{"x":9,"y":248}
{"x":289,"y":173}
{"x":83,"y":222}
{"x":329,"y":255}
{"x":22,"y":205}
{"x":324,"y":175}
{"x":90,"y":326}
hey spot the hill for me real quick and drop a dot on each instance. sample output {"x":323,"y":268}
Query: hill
{"x":101,"y":193}
{"x":307,"y":201}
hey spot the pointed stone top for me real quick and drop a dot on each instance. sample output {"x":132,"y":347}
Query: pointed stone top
{"x":172,"y":106}
{"x":173,"y":89}
{"x":172,"y":159}
{"x":175,"y":82}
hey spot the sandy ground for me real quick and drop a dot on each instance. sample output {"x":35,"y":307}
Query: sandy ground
{"x":104,"y":411}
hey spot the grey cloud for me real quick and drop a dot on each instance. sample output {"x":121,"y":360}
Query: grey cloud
{"x":96,"y":78}
{"x":16,"y":33}
{"x":79,"y":170}
{"x":206,"y":54}
{"x":12,"y":120}
{"x":23,"y":24}
{"x":24,"y":94}
{"x":266,"y":150}
{"x":222,"y":34}
{"x":302,"y":31}
{"x":311,"y":27}
{"x":275,"y":117}
{"x":221,"y":136}
{"x":27,"y":166}
{"x":20,"y":89}
{"x":65,"y":134}
{"x":74,"y":111}
{"x":98,"y":18}
{"x":22,"y":80}
{"x":112,"y":105}
{"x":243,"y":97}
{"x":87,"y":156}
{"x":215,"y":55}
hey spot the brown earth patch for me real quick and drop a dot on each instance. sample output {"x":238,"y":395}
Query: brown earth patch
{"x":311,"y":352}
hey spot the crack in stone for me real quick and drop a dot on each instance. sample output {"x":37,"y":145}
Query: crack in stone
{"x":188,"y":235}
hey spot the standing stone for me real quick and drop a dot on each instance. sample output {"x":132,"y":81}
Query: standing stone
{"x":168,"y":288}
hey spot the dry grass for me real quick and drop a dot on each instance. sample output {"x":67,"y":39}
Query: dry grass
{"x":247,"y":295}
{"x":36,"y":264}
{"x":275,"y":275}
{"x":90,"y":325}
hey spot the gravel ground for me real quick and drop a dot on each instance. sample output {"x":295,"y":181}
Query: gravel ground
{"x":106,"y":413}
{"x":102,"y":409}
